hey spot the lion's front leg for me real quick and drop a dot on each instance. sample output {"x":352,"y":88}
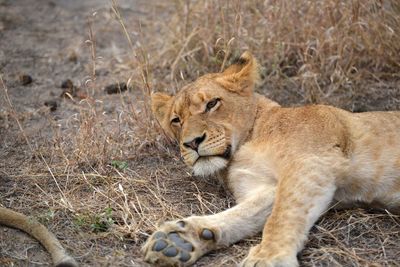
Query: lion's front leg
{"x":300,"y":200}
{"x":182,"y":242}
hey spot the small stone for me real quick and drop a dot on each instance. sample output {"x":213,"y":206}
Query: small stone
{"x":52,"y":104}
{"x":73,"y":57}
{"x":115,"y":88}
{"x":67,"y":84}
{"x":69,"y":89}
{"x":170,"y":252}
{"x":207,"y":234}
{"x":159,"y":235}
{"x":184,"y":256}
{"x":25,"y":79}
{"x":160,"y":245}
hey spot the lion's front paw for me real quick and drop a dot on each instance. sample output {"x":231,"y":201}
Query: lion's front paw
{"x":178,"y":243}
{"x":261,"y":257}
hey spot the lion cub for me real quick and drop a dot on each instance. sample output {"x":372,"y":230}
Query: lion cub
{"x":285,"y":166}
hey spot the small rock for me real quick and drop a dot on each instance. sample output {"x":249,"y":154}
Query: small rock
{"x":52,"y":104}
{"x":73,"y":57}
{"x":67,"y":84}
{"x":69,"y":90}
{"x":25,"y":79}
{"x":115,"y":88}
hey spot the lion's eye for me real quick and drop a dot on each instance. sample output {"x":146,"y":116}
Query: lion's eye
{"x":175,"y":120}
{"x":212,"y":104}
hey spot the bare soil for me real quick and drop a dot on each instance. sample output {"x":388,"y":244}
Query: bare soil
{"x":97,"y":175}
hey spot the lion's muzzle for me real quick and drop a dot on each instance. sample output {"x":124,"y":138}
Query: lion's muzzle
{"x":194,"y":144}
{"x":206,"y":149}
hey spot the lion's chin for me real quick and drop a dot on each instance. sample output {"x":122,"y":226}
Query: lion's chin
{"x":206,"y":166}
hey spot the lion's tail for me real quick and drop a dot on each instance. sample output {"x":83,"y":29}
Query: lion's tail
{"x":45,"y":237}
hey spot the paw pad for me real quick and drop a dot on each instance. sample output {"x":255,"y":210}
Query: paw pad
{"x":171,"y":251}
{"x":184,"y":256}
{"x":172,"y":245}
{"x":159,"y":235}
{"x":207,"y":234}
{"x":160,"y":245}
{"x":180,"y":242}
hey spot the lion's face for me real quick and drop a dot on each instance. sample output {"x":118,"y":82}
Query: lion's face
{"x":212,"y":116}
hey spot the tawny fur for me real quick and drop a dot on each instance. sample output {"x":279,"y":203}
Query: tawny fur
{"x":47,"y":239}
{"x":286,"y":165}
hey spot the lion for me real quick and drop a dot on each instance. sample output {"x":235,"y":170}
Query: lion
{"x":284,"y":166}
{"x":19,"y":221}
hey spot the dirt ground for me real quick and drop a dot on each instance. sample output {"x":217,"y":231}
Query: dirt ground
{"x":58,"y":168}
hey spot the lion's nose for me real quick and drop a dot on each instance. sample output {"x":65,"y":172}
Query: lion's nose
{"x":194,"y":144}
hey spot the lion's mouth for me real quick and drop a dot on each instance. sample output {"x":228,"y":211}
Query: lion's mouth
{"x":209,"y":165}
{"x":226,"y":155}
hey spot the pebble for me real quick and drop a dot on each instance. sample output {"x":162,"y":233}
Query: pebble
{"x":52,"y":104}
{"x":67,"y":84}
{"x":25,"y":79}
{"x":115,"y":88}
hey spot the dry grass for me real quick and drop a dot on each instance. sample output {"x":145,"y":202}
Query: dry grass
{"x":324,"y":51}
{"x":104,"y":179}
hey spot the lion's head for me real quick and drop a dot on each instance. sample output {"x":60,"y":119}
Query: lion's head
{"x":212,"y":116}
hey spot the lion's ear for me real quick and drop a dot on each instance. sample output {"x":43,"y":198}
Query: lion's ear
{"x":242,"y":75}
{"x":161,"y":106}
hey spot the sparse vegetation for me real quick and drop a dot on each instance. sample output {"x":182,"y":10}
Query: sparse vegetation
{"x":103,"y":221}
{"x":100,"y":172}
